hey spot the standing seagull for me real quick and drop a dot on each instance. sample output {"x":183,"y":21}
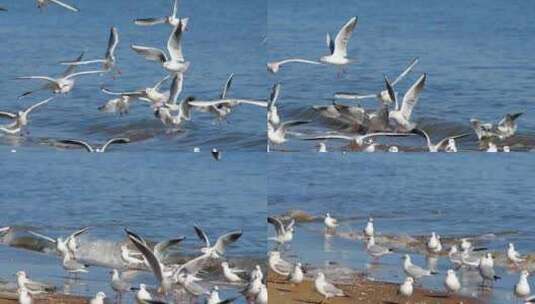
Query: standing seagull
{"x":43,"y":3}
{"x":369,"y":230}
{"x":89,"y":148}
{"x":174,"y":63}
{"x":326,"y":289}
{"x":109,"y":60}
{"x":514,"y":256}
{"x":24,"y":296}
{"x":218,"y":250}
{"x":451,"y":282}
{"x":330,"y":222}
{"x":522,"y":288}
{"x":20,"y":119}
{"x":406,"y":288}
{"x":486,"y":269}
{"x":98,"y":299}
{"x":414,"y":271}
{"x":374,"y":250}
{"x":172,"y":20}
{"x":401,"y":116}
{"x":296,"y":276}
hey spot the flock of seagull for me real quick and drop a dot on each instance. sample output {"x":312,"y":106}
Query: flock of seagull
{"x":462,"y":257}
{"x":393,"y":117}
{"x":167,"y":106}
{"x":174,"y":280}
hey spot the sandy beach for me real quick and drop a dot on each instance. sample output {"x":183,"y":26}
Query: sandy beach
{"x":363,"y":292}
{"x":11,"y":298}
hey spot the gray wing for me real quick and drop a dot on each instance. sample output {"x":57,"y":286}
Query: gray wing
{"x":150,"y":21}
{"x":227,"y":239}
{"x":150,"y":53}
{"x":42,"y":236}
{"x":149,"y":255}
{"x":406,"y":71}
{"x":343,"y":36}
{"x":119,"y":140}
{"x":112,"y":42}
{"x":8,"y":115}
{"x":333,"y":290}
{"x":79,"y":143}
{"x":78,"y":232}
{"x":173,"y":44}
{"x":176,"y":88}
{"x":411,"y":97}
{"x":292,"y":123}
{"x":196,"y":265}
{"x":162,"y":246}
{"x":134,"y":94}
{"x":202,"y":235}
{"x":72,"y":68}
{"x":226,"y":88}
{"x":279,"y":227}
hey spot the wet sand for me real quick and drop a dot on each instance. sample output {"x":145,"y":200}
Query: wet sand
{"x":362,"y":292}
{"x":11,"y":298}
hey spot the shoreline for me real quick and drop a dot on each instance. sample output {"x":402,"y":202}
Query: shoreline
{"x":363,"y":292}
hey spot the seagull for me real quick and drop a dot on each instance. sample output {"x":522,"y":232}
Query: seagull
{"x":216,"y":154}
{"x":61,"y":85}
{"x":119,"y":284}
{"x":89,"y":148}
{"x":109,"y":60}
{"x":218,"y":250}
{"x":64,"y":246}
{"x":338,"y":46}
{"x":277,"y":133}
{"x":33,"y":287}
{"x":43,"y":3}
{"x":296,"y":276}
{"x":262,"y":296}
{"x":274,"y":66}
{"x":20,"y":119}
{"x":401,"y":115}
{"x":24,"y":296}
{"x":507,"y":126}
{"x":166,"y":275}
{"x":483,"y":130}
{"x":492,"y":148}
{"x":383,"y":96}
{"x":369,"y":229}
{"x":256,"y":273}
{"x":374,"y":250}
{"x":436,"y":147}
{"x":414,"y":271}
{"x":165,"y":111}
{"x":466,"y":244}
{"x":451,"y":282}
{"x":326,"y":289}
{"x":231,"y":274}
{"x":278,"y":265}
{"x":284,"y":232}
{"x":393,"y":149}
{"x":253,"y":288}
{"x":174,"y":63}
{"x":121,"y":104}
{"x":486,"y":268}
{"x":272,"y":113}
{"x":406,"y":288}
{"x":455,"y":256}
{"x":330,"y":222}
{"x":129,"y":257}
{"x":468,"y":260}
{"x":433,"y":244}
{"x":522,"y":288}
{"x":322,"y":147}
{"x":143,"y":295}
{"x":514,"y":256}
{"x":71,"y":265}
{"x":98,"y":299}
{"x":506,"y":149}
{"x":172,"y":20}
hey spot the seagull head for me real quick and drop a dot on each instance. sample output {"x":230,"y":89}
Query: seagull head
{"x":524,"y":273}
{"x":100,"y":295}
{"x":272,"y":67}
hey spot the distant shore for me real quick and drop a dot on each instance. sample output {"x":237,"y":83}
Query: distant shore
{"x":363,"y":292}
